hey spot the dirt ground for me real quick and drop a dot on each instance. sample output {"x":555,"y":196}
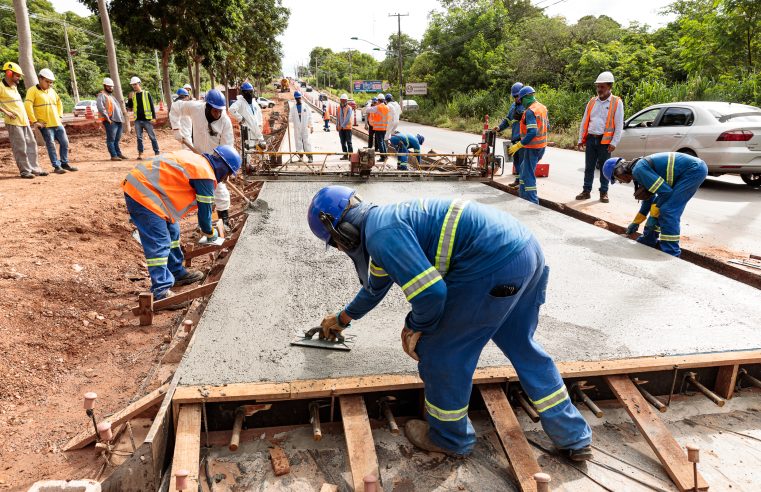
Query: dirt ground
{"x":69,"y":273}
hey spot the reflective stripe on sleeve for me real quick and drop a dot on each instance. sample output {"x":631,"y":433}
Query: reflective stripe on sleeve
{"x":420,"y":283}
{"x":656,"y":185}
{"x":533,"y":125}
{"x":445,"y":415}
{"x":670,"y":169}
{"x":551,"y":400}
{"x":152,"y":262}
{"x":447,"y":235}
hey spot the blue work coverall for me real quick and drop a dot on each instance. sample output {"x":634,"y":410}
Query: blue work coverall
{"x":513,"y":119}
{"x":402,"y":142}
{"x":471,"y":273}
{"x":674,"y":178}
{"x":531,"y":157}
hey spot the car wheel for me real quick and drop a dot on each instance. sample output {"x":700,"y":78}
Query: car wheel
{"x":271,"y":105}
{"x":753,"y":179}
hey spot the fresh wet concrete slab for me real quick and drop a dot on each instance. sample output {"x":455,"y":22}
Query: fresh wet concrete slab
{"x":608,"y":297}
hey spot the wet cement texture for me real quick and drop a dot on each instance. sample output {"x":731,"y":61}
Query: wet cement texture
{"x":608,"y":297}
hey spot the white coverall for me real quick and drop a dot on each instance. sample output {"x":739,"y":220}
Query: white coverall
{"x":302,"y":126}
{"x":249,"y":115}
{"x":396,"y":113}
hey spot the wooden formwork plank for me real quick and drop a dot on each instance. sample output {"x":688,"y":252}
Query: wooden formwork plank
{"x":187,"y":445}
{"x":669,"y":452}
{"x":511,"y":435}
{"x":359,"y":440}
{"x":726,"y":380}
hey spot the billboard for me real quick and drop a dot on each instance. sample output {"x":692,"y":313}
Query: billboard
{"x":370,"y":85}
{"x":416,"y":88}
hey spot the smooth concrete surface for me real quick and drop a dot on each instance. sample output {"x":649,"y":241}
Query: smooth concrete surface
{"x":608,"y":298}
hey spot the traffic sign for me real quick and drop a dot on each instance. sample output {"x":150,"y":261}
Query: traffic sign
{"x":416,"y":88}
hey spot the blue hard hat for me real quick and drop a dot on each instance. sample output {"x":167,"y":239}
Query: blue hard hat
{"x":375,"y":99}
{"x":247,"y":86}
{"x":389,"y":97}
{"x":226,"y":155}
{"x":609,"y":167}
{"x":420,"y":139}
{"x":215,"y":99}
{"x":182,"y":92}
{"x":516,"y":89}
{"x":297,"y":95}
{"x":526,"y":90}
{"x":331,"y":200}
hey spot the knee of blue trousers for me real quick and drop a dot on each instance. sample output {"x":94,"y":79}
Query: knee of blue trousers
{"x":565,"y":426}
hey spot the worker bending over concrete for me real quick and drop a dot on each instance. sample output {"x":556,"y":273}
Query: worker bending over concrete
{"x":665,"y":182}
{"x":300,"y":117}
{"x":513,"y":120}
{"x":534,"y":127}
{"x":471,"y":274}
{"x":402,"y":143}
{"x":161,"y":191}
{"x":246,"y":110}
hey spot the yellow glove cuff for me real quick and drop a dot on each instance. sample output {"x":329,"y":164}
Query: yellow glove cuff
{"x":655,"y":211}
{"x":639,"y":219}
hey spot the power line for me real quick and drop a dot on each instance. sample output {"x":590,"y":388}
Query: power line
{"x":56,"y":21}
{"x":555,"y":3}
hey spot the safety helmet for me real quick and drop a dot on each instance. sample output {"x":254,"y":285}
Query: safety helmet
{"x":297,"y":95}
{"x":134,"y":80}
{"x":246,"y":86}
{"x":420,"y":139}
{"x":515,"y":89}
{"x":187,"y":87}
{"x":331,"y":202}
{"x":526,"y":90}
{"x":605,"y":78}
{"x":609,"y":167}
{"x":215,"y":99}
{"x":375,"y":99}
{"x":228,"y":155}
{"x":182,"y":92}
{"x":107,"y":81}
{"x":47,"y":73}
{"x":344,"y":97}
{"x":13,"y":67}
{"x":389,"y":97}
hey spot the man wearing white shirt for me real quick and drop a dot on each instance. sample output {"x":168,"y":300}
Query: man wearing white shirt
{"x":396,"y":113}
{"x":246,"y":110}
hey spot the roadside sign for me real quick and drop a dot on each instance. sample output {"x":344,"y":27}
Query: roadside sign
{"x":370,"y":85}
{"x":416,"y":88}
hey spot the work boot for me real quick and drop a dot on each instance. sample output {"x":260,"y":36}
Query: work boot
{"x":139,"y":156}
{"x":173,"y":307}
{"x":69,"y":167}
{"x":310,"y":159}
{"x":515,"y":184}
{"x":417,"y":433}
{"x":604,"y":197}
{"x":27,"y":176}
{"x":40,"y":173}
{"x":115,"y":158}
{"x":191,"y":277}
{"x":123,"y":157}
{"x":583,"y":454}
{"x":344,"y":158}
{"x":584,"y":195}
{"x":58,"y":170}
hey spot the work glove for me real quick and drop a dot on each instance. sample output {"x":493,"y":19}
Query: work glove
{"x":177,"y":135}
{"x":515,"y":148}
{"x":332,"y":327}
{"x":261,"y":145}
{"x":655,"y":211}
{"x":409,"y":342}
{"x":633,"y":227}
{"x":642,"y":193}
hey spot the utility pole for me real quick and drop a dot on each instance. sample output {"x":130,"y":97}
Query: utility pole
{"x":401,"y":80}
{"x":351,"y":76}
{"x":71,"y":65}
{"x":113,"y":66}
{"x":158,"y":72}
{"x":24,"y":34}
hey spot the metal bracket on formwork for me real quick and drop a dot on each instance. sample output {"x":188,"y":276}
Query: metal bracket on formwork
{"x":690,"y":379}
{"x":578,"y":390}
{"x":745,"y":376}
{"x":384,"y":405}
{"x":658,"y":404}
{"x":517,"y":393}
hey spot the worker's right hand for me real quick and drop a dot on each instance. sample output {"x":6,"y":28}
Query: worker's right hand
{"x":332,"y":327}
{"x":580,"y":147}
{"x":409,"y":342}
{"x":633,"y":228}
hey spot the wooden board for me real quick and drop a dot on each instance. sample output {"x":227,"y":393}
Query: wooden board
{"x":187,"y":445}
{"x":359,"y":440}
{"x":511,"y":435}
{"x":135,"y":408}
{"x":726,"y":380}
{"x":671,"y":455}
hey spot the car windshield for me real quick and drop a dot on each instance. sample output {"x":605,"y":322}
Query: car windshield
{"x":737,"y":113}
{"x":84,"y":103}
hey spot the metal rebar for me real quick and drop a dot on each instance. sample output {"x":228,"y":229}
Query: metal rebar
{"x":750,"y":379}
{"x":388,"y":415}
{"x":587,"y":401}
{"x":525,"y":405}
{"x":91,"y":414}
{"x":673,"y":385}
{"x":719,"y":401}
{"x":650,"y":398}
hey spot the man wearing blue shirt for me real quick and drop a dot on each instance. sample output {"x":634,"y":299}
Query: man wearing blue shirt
{"x":513,"y":120}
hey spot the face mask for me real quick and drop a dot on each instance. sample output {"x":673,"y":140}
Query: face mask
{"x":528,"y":100}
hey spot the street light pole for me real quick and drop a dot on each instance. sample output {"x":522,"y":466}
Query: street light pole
{"x":401,"y":81}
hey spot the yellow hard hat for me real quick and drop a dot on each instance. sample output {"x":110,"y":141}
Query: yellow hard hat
{"x":13,"y":68}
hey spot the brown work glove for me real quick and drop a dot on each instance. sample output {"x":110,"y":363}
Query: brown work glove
{"x":409,"y":341}
{"x":642,"y":194}
{"x":332,"y":327}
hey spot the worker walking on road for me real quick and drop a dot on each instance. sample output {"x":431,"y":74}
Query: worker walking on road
{"x":402,"y":143}
{"x":513,"y":120}
{"x":325,"y":118}
{"x":110,"y":114}
{"x":534,"y":126}
{"x":395,"y":112}
{"x":380,"y":116}
{"x":143,"y":114}
{"x":600,"y":131}
{"x":160,"y":192}
{"x":665,"y":182}
{"x":300,"y":117}
{"x":45,"y":111}
{"x":23,"y":144}
{"x":246,"y":110}
{"x":344,"y":124}
{"x":471,"y":273}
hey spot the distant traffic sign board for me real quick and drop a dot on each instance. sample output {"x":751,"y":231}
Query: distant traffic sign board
{"x":416,"y":88}
{"x":370,"y":85}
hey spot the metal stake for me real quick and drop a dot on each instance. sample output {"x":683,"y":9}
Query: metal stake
{"x":517,"y":395}
{"x":577,"y":389}
{"x":690,"y":377}
{"x":650,"y":398}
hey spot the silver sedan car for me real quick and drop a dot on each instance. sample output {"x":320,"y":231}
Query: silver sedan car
{"x":726,"y":136}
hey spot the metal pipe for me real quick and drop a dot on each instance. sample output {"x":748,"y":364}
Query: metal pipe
{"x":719,"y":401}
{"x":750,"y":379}
{"x":650,"y":398}
{"x":389,"y":416}
{"x":525,"y":404}
{"x":587,"y":401}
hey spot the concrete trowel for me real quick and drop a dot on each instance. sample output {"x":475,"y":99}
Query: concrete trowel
{"x":340,"y":343}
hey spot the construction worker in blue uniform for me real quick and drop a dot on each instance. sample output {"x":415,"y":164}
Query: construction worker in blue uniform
{"x":471,"y":274}
{"x":403,"y":142}
{"x":665,"y":182}
{"x":161,"y":191}
{"x":534,"y":126}
{"x":513,"y":120}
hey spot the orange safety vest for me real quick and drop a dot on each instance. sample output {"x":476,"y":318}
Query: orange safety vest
{"x":383,"y":118}
{"x":326,"y":113}
{"x":162,"y":185}
{"x":542,"y":123}
{"x":109,"y":108}
{"x":342,"y":112}
{"x":610,"y":121}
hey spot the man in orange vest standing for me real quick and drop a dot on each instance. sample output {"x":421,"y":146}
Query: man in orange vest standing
{"x":380,"y":117}
{"x":160,"y":192}
{"x":534,"y":127}
{"x":600,"y":132}
{"x":112,"y":118}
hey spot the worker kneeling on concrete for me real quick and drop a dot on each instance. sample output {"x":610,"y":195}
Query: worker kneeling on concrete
{"x":160,"y":192}
{"x":665,"y":182}
{"x":471,"y":274}
{"x":403,"y":142}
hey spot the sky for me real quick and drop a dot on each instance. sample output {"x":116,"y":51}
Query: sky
{"x":334,"y":22}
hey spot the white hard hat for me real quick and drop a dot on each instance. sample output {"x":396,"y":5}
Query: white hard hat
{"x":107,"y":81}
{"x":605,"y":78}
{"x":187,"y":87}
{"x":134,"y":80}
{"x":344,"y":96}
{"x":47,"y":73}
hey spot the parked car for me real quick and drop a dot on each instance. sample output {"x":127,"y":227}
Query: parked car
{"x":409,"y":105}
{"x":726,"y":136}
{"x":309,"y":88}
{"x":265,"y":103}
{"x":81,"y":108}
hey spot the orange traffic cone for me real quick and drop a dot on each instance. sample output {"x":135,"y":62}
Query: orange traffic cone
{"x":88,"y":113}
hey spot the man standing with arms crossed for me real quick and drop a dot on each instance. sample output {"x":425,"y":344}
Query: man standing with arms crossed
{"x":20,"y":134}
{"x":111,"y":115}
{"x":143,"y":112}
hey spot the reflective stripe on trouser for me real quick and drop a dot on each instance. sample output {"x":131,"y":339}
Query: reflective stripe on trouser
{"x":161,"y":245}
{"x":684,"y":188}
{"x":449,"y":355}
{"x":527,"y":188}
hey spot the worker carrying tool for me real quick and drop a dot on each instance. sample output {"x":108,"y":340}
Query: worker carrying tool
{"x":513,"y":120}
{"x":471,"y":274}
{"x":161,"y":191}
{"x":246,"y":110}
{"x":665,"y":182}
{"x":533,"y":132}
{"x":403,"y":142}
{"x":300,"y":117}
